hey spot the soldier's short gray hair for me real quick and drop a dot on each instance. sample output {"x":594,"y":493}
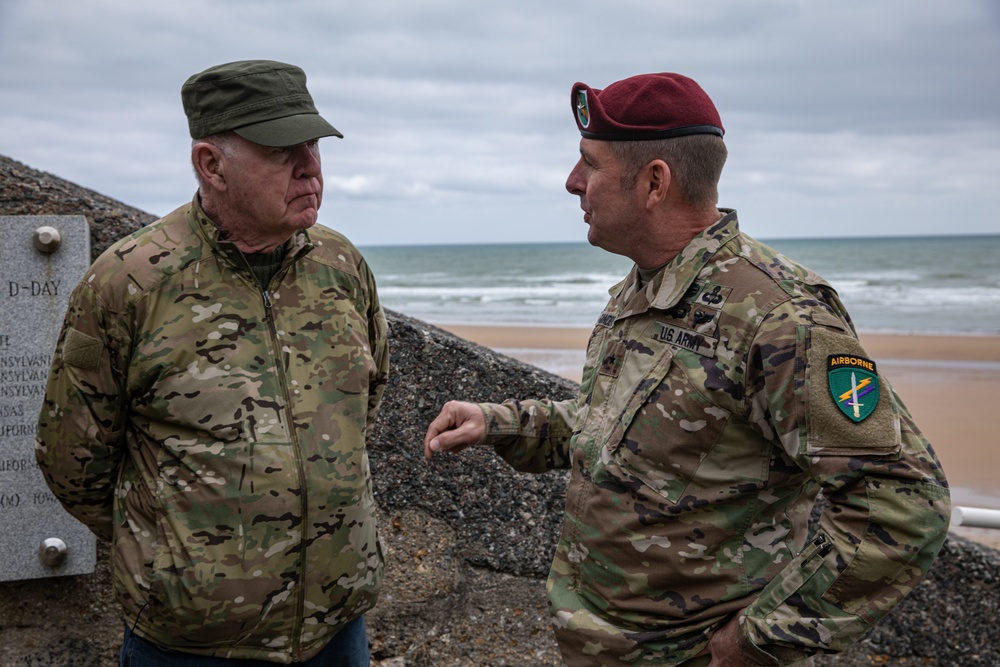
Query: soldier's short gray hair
{"x":695,"y":162}
{"x":226,"y":142}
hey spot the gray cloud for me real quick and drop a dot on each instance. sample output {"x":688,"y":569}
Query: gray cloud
{"x":847,"y":118}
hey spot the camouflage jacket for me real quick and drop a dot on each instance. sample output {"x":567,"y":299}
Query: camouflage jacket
{"x":216,"y":433}
{"x":709,"y":416}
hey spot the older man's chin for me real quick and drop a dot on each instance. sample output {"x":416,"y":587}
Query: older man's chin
{"x":305,"y":216}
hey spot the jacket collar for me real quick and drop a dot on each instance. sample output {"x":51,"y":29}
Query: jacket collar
{"x":667,"y":288}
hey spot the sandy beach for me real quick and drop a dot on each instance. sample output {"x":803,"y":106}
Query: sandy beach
{"x":951,"y":384}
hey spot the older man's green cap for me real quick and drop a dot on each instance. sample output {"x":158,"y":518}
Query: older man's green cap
{"x":263,"y":101}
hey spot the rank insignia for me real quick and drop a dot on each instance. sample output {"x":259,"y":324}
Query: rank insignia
{"x":853,"y":384}
{"x":582,"y":111}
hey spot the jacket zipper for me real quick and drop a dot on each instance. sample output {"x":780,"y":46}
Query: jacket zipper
{"x":304,"y":497}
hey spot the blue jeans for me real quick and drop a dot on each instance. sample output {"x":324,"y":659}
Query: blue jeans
{"x":348,"y":648}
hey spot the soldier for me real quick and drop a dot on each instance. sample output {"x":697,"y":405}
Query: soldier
{"x":724,"y":387}
{"x":216,"y":378}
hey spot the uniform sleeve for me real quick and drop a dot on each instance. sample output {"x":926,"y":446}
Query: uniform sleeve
{"x":79,"y":445}
{"x":889,"y":501}
{"x":532,"y":436}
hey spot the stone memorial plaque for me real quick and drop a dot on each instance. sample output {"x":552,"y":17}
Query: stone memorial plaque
{"x":42,"y":258}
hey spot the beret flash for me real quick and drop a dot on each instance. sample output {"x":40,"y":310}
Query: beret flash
{"x":646,"y":106}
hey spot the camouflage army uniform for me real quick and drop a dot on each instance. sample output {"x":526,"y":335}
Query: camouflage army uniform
{"x":216,"y":433}
{"x":703,"y":430}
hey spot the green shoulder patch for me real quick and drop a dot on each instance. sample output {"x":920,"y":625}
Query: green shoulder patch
{"x":832,"y":429}
{"x":854,"y":385}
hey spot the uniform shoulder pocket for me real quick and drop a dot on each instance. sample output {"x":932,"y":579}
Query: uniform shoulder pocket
{"x":849,"y":405}
{"x":82,"y":351}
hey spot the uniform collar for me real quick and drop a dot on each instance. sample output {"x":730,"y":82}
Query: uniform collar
{"x":665,"y":290}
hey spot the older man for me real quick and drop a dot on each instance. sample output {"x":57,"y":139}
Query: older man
{"x":724,"y":387}
{"x":216,"y":378}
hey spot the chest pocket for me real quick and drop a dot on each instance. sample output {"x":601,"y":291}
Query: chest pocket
{"x":667,"y":429}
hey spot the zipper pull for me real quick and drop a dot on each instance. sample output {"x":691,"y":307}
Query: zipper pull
{"x":267,"y":299}
{"x":824,"y":546}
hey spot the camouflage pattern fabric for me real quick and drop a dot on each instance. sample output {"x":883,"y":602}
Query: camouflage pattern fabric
{"x":217,"y":435}
{"x":703,"y":431}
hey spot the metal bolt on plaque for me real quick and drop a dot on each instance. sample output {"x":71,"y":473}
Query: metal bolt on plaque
{"x":47,"y":239}
{"x":52,"y":551}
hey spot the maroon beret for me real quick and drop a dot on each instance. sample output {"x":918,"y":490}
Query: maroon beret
{"x":647,"y":106}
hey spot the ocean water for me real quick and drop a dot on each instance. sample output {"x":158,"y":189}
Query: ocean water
{"x":931,"y":285}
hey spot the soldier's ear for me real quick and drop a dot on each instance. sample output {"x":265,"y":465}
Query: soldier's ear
{"x":209,"y":165}
{"x":655,"y":179}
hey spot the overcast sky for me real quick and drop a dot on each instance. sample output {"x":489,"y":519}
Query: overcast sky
{"x":843,"y":118}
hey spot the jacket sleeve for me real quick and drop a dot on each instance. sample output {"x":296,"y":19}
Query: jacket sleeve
{"x":78,"y":444}
{"x":889,"y":501}
{"x":532,"y":436}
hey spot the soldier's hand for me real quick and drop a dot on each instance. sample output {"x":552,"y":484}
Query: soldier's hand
{"x":456,"y":427}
